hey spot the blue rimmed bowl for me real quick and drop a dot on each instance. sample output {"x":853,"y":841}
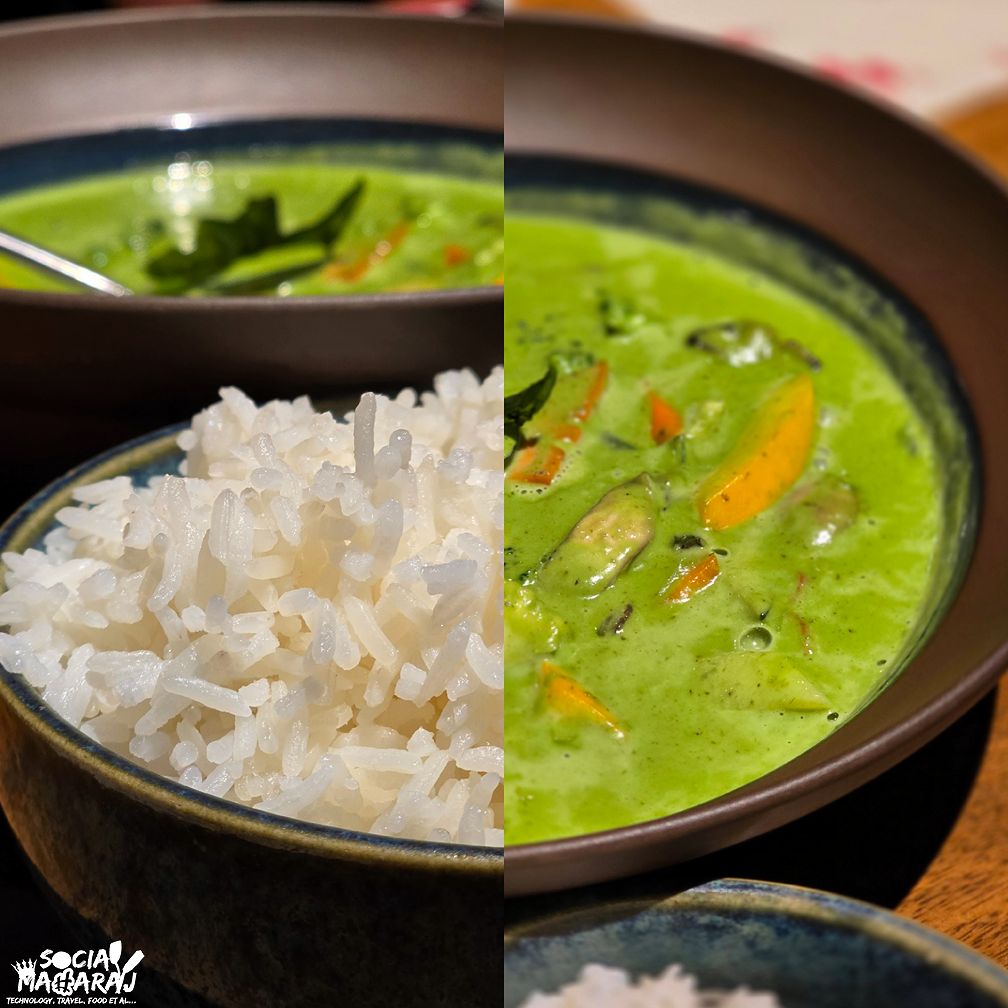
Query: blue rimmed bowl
{"x":813,"y":949}
{"x":238,"y":907}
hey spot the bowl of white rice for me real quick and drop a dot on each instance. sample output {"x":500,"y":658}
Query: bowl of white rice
{"x":251,"y":697}
{"x":741,"y":944}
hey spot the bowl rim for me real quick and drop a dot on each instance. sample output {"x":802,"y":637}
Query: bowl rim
{"x":793,"y":901}
{"x":355,"y":10}
{"x":839,"y":774}
{"x":783,"y":63}
{"x":446,"y":297}
{"x":169,"y":797}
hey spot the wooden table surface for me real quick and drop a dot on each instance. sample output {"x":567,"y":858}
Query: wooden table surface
{"x":963,"y":889}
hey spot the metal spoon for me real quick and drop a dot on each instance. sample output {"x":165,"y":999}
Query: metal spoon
{"x":66,"y":269}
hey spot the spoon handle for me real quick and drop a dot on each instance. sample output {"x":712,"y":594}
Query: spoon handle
{"x":66,"y":269}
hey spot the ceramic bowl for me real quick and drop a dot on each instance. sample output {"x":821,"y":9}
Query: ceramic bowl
{"x":92,"y":93}
{"x":812,"y":949}
{"x":236,"y":906}
{"x":902,"y":208}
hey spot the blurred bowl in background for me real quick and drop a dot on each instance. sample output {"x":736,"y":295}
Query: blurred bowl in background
{"x":136,"y":83}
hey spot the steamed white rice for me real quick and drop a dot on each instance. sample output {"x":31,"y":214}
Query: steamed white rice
{"x":605,"y":987}
{"x":308,"y":620}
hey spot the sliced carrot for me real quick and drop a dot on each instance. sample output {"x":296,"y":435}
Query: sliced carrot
{"x":537,"y":463}
{"x":768,"y":458}
{"x":455,"y":255}
{"x":568,"y":431}
{"x":567,"y":697}
{"x":666,"y":421}
{"x":700,"y":576}
{"x":382,"y":249}
{"x":600,"y":378}
{"x":572,"y":402}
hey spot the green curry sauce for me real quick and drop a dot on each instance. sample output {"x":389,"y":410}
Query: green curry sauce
{"x":638,"y":683}
{"x":408,"y":231}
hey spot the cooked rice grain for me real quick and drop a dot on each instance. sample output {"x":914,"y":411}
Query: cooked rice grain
{"x":605,"y":987}
{"x":307,"y":620}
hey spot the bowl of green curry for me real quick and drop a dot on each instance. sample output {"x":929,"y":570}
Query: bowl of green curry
{"x":753,"y":426}
{"x":300,"y":199}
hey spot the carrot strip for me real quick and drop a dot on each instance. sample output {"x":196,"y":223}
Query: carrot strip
{"x":355,"y":271}
{"x":666,"y":421}
{"x":598,"y":385}
{"x":567,"y":697}
{"x":767,"y":459}
{"x":561,"y":419}
{"x":537,"y":463}
{"x":700,"y":576}
{"x":455,"y":255}
{"x":574,"y":399}
{"x":567,"y":431}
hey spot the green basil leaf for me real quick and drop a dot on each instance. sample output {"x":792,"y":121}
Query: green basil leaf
{"x":521,"y":406}
{"x":219,"y":243}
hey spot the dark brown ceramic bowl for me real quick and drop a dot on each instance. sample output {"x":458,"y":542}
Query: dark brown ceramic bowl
{"x":238,"y":907}
{"x":897,"y":198}
{"x":104,"y":360}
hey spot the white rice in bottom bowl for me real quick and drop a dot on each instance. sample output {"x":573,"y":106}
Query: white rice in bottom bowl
{"x":308,"y":620}
{"x":605,"y":987}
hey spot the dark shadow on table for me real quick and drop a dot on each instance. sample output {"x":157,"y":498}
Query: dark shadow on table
{"x":33,"y":918}
{"x":873,"y":844}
